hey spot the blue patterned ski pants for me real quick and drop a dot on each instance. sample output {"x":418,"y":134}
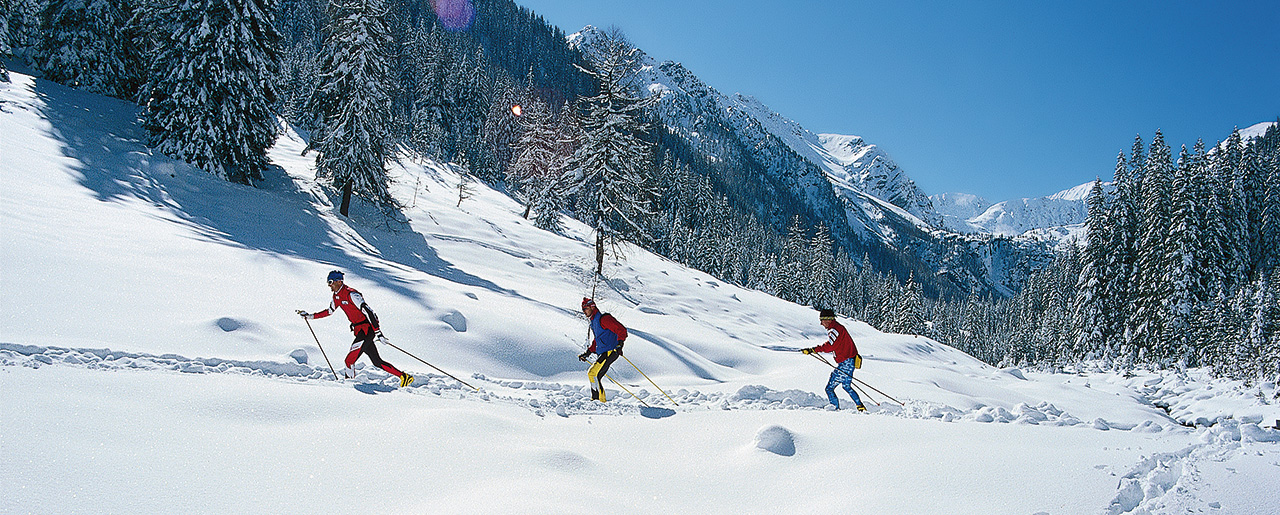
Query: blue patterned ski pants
{"x":842,"y":376}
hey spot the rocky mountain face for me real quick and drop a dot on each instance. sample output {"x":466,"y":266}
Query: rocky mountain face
{"x":869,"y":203}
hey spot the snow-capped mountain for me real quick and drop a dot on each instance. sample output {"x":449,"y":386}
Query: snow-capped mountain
{"x":850,"y":160}
{"x":957,"y":208}
{"x":854,"y":187}
{"x":1064,"y":209}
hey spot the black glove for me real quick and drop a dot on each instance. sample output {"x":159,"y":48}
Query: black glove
{"x":807,"y":351}
{"x":583,"y":356}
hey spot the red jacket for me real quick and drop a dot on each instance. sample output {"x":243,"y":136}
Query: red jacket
{"x":351,"y":303}
{"x":839,"y":342}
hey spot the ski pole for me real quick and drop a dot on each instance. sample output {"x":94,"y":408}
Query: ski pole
{"x":633,"y":396}
{"x":655,"y":385}
{"x":322,"y":353}
{"x":864,"y":383}
{"x":824,"y":360}
{"x":864,"y":394}
{"x":388,"y":342}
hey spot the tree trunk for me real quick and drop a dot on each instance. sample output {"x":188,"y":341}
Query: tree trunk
{"x":346,"y":199}
{"x":599,"y":252}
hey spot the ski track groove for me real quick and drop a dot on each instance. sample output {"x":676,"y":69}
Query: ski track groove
{"x":540,"y":397}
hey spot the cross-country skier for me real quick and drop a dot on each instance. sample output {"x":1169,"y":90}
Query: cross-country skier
{"x":607,"y":344}
{"x":847,"y":358}
{"x":364,"y":323}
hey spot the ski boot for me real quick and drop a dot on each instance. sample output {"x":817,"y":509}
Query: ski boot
{"x":405,"y":379}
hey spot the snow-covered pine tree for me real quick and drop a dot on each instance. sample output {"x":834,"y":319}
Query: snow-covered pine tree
{"x":301,"y":24}
{"x":792,"y":284}
{"x":353,"y":99}
{"x":1185,"y":259}
{"x":6,"y":51}
{"x":821,"y":276}
{"x":431,"y":59}
{"x":84,"y":45}
{"x":467,"y":95}
{"x":1213,"y":230}
{"x":1122,"y":246}
{"x":612,"y":185}
{"x":1252,"y":176}
{"x":1094,"y":316}
{"x":22,"y":18}
{"x":212,"y":85}
{"x":1269,"y":145}
{"x":550,"y":199}
{"x":536,"y":164}
{"x":1153,"y":264}
{"x":500,"y":136}
{"x":1235,"y":252}
{"x":910,"y":318}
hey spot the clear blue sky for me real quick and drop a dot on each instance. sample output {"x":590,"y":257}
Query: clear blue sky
{"x":1001,"y":99}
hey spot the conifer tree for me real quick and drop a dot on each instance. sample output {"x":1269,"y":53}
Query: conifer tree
{"x":1094,"y":311}
{"x":85,"y":45}
{"x":1235,"y":251}
{"x":1213,"y":235}
{"x":429,"y":125}
{"x":1153,"y":264}
{"x":537,"y":161}
{"x":613,"y":184}
{"x":1122,"y":254}
{"x":1185,"y":259}
{"x":212,"y":88}
{"x":354,"y":101}
{"x":794,"y":262}
{"x":6,"y":51}
{"x":821,"y":271}
{"x":910,"y":317}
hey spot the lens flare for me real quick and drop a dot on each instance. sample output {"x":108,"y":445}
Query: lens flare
{"x":454,"y":14}
{"x":517,"y":110}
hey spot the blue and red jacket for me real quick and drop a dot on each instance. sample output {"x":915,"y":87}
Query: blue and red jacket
{"x":609,"y":334}
{"x":839,"y":342}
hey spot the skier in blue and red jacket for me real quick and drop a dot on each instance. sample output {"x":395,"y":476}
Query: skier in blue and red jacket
{"x":847,"y":359}
{"x":607,"y":344}
{"x":364,"y":323}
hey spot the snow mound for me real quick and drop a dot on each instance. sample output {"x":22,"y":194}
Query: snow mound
{"x":776,"y":439}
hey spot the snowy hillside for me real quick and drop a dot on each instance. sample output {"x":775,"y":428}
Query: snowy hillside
{"x":151,"y":362}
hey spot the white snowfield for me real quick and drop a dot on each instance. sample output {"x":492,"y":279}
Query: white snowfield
{"x":151,"y":362}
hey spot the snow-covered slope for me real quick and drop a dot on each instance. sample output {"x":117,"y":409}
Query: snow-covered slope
{"x":150,"y":361}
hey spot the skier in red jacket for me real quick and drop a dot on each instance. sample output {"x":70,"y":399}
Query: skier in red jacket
{"x":364,"y":323}
{"x":847,"y":359}
{"x":607,"y":344}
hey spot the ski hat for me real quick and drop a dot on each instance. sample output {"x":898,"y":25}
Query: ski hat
{"x":826,"y":314}
{"x":586,"y":301}
{"x":334,"y":276}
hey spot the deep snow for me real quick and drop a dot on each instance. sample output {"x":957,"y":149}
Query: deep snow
{"x":151,"y":361}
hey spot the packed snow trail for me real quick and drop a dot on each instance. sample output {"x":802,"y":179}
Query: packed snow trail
{"x":547,"y":397}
